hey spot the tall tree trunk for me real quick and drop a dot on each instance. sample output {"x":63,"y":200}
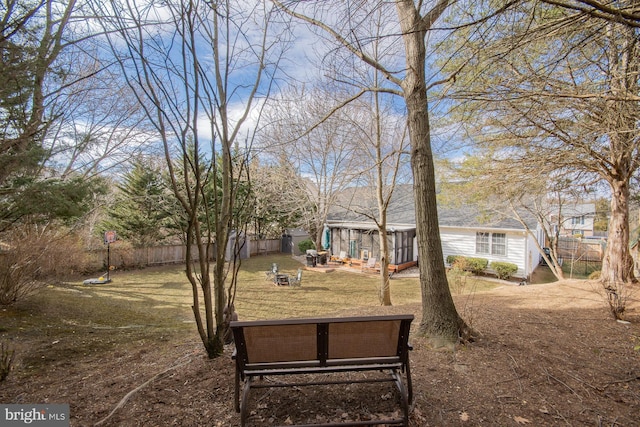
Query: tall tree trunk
{"x":440,"y":320}
{"x":385,"y":289}
{"x":621,"y":119}
{"x":617,"y":264}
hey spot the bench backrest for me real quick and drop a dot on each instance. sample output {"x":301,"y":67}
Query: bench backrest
{"x":322,"y":341}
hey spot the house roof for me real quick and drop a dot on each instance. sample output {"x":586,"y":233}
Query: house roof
{"x":576,"y":209}
{"x":370,"y":225}
{"x":357,"y":203}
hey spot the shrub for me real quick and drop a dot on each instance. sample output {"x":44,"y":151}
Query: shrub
{"x":595,"y":275}
{"x":36,"y":257}
{"x":457,"y":278}
{"x":477,"y":265}
{"x":504,"y":270}
{"x":452,"y":259}
{"x":305,"y":245}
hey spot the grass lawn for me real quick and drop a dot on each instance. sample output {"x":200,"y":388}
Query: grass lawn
{"x":576,"y":270}
{"x":154,"y":304}
{"x":161,"y":298}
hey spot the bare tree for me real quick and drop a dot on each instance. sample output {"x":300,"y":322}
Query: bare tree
{"x":190,"y":63}
{"x":380,"y":134}
{"x":99,"y":128}
{"x":440,"y":319}
{"x":319,"y":149}
{"x":382,"y":140}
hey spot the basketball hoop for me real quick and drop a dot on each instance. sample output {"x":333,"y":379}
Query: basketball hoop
{"x":110,"y":237}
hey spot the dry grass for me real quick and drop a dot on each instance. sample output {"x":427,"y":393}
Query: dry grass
{"x":162,"y":297}
{"x":321,"y":294}
{"x":155,"y":304}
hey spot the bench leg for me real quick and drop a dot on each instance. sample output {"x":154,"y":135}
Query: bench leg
{"x":404,"y":395}
{"x":245,"y":399}
{"x":236,"y":394}
{"x":409,"y":385}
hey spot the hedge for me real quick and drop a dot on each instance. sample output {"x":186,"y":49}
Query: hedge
{"x":504,"y":270}
{"x":306,"y":244}
{"x":475,"y":265}
{"x":452,"y":259}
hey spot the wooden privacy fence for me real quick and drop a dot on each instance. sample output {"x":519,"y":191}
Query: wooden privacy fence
{"x":122,"y":256}
{"x":571,"y":248}
{"x":264,"y":246}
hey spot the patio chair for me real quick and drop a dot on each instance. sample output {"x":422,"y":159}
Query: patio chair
{"x":342,"y":258}
{"x":297,"y":279}
{"x":271,"y":274}
{"x":370,"y":265}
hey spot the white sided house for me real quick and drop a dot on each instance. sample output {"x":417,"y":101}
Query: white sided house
{"x":463,"y":231}
{"x":504,"y":240}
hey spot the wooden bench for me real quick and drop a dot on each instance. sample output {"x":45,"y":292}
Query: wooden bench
{"x":323,"y":346}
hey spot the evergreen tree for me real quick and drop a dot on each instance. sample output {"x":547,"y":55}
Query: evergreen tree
{"x":138,"y":214}
{"x":26,"y":199}
{"x":30,"y":42}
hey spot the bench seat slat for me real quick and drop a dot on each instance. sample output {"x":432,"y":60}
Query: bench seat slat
{"x":331,"y":365}
{"x":321,"y":370}
{"x":319,"y":320}
{"x":328,"y":382}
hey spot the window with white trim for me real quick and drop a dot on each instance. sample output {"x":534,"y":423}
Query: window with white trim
{"x":498,"y":244}
{"x":491,"y":243}
{"x":482,"y":243}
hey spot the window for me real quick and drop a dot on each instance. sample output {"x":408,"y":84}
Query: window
{"x":498,"y":244}
{"x":403,"y":247}
{"x":577,"y":220}
{"x":482,"y":243}
{"x":491,"y":243}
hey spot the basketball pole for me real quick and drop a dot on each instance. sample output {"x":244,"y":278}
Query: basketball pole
{"x":108,"y":260}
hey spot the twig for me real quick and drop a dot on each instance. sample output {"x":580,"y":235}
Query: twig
{"x":628,"y":380}
{"x":508,"y":380}
{"x":140,"y":387}
{"x":562,"y":382}
{"x":515,"y":371}
{"x":585,"y":383}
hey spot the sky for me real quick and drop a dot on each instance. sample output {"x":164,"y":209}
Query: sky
{"x":300,"y":56}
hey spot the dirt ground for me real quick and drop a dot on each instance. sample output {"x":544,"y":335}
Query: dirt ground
{"x":548,"y":355}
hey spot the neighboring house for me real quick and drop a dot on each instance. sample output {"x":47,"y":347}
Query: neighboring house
{"x":463,"y":231}
{"x":577,"y":219}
